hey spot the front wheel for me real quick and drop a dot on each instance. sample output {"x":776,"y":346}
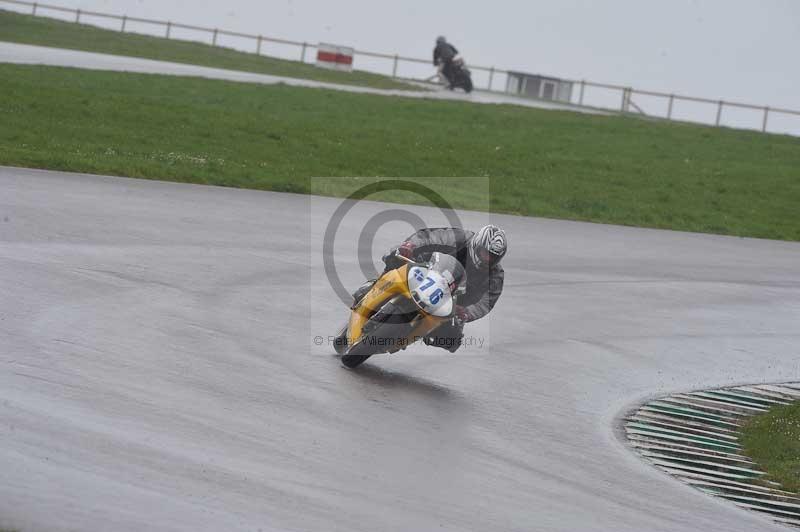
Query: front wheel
{"x":390,"y":321}
{"x":352,"y":361}
{"x":467,"y":84}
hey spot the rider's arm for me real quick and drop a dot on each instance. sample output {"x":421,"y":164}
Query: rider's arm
{"x":487,"y":301}
{"x":444,"y":240}
{"x":421,"y":244}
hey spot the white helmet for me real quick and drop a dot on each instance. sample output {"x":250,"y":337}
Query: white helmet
{"x":487,"y":247}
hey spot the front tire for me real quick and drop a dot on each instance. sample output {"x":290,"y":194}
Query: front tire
{"x":390,"y":314}
{"x":353,"y":361}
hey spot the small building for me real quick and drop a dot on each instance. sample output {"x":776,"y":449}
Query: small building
{"x":541,"y":87}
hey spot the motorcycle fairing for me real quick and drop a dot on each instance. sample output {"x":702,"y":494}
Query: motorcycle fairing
{"x":389,"y":285}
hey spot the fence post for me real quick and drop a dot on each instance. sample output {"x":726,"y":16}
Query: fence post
{"x":214,"y":38}
{"x":491,"y":77}
{"x":394,"y":67}
{"x":77,"y":16}
{"x":669,"y":107}
{"x":719,"y":112}
{"x":258,"y":46}
{"x":35,"y":5}
{"x":624,"y":106}
{"x":764,"y":123}
{"x":303,"y":53}
{"x":169,"y":28}
{"x":583,"y":86}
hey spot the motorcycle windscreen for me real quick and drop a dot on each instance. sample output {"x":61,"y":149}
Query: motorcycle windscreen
{"x":431,"y":291}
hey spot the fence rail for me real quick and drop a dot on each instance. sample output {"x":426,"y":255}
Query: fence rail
{"x":625,"y":95}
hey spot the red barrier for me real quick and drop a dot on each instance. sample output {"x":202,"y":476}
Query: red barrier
{"x":335,"y":57}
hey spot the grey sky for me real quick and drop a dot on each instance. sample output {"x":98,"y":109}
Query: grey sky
{"x":730,"y":49}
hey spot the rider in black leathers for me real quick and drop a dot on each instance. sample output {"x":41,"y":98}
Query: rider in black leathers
{"x":480,"y":254}
{"x":443,"y":54}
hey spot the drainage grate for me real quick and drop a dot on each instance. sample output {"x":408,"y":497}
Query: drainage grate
{"x":693,"y":436}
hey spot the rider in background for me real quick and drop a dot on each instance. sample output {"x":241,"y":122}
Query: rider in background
{"x":443,"y":55}
{"x":480,"y":253}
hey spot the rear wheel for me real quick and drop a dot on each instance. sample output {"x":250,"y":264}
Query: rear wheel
{"x":467,"y":83}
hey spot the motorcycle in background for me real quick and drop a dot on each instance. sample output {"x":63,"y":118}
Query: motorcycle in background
{"x":460,"y":74}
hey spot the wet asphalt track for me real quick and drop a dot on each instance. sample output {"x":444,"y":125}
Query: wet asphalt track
{"x":157,"y":369}
{"x":41,"y":55}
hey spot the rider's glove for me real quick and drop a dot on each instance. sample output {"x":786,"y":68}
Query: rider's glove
{"x":406,"y":249}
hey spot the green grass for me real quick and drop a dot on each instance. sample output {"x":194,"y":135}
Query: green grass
{"x":545,"y":163}
{"x":772,"y":439}
{"x":27,"y":29}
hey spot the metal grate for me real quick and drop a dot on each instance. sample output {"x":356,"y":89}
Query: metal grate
{"x":694,"y":437}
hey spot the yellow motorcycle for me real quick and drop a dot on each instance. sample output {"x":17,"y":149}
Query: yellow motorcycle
{"x":403,"y":306}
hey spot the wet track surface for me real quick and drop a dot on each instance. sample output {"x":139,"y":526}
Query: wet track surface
{"x":41,"y":55}
{"x":158,"y":372}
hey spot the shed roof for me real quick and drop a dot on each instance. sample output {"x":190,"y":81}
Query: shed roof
{"x":539,"y":76}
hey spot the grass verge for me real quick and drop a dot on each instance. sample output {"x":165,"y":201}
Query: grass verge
{"x":772,"y":439}
{"x":545,"y":163}
{"x":27,"y":29}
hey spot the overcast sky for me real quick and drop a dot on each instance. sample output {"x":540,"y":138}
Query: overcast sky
{"x":730,"y":49}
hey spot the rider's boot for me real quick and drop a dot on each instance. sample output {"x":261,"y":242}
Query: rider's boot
{"x":448,"y":336}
